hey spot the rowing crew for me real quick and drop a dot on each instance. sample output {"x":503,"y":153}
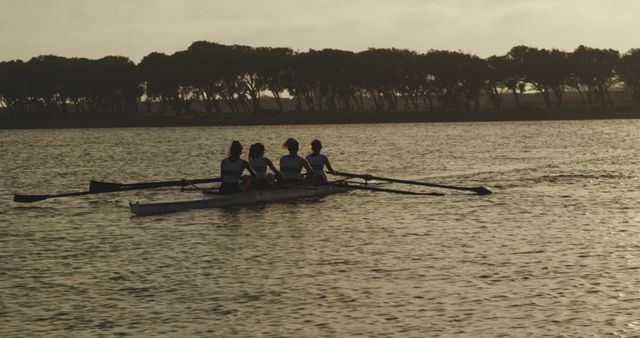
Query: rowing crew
{"x":291,"y":166}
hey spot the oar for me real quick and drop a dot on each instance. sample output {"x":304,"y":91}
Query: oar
{"x":477,"y":190}
{"x":36,"y":198}
{"x":404,"y":192}
{"x":99,"y":186}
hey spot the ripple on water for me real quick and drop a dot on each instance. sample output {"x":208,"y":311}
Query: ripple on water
{"x":553,"y":252}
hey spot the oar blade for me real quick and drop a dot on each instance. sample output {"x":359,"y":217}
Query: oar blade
{"x":482,"y":191}
{"x":99,"y":186}
{"x":29,"y":198}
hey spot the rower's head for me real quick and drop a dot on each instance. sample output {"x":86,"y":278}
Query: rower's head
{"x":292,"y":145}
{"x":316,"y":146}
{"x":256,"y":150}
{"x":235,"y":150}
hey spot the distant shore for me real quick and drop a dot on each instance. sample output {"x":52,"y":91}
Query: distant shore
{"x":291,"y":118}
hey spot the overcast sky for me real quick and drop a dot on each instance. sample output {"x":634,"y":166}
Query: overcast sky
{"x":134,"y":28}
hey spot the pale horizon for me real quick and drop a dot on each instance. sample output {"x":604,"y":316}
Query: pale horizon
{"x":93,"y":29}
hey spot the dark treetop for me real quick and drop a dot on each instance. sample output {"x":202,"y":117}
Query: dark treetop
{"x":209,"y":79}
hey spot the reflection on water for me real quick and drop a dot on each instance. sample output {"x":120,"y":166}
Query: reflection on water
{"x":555,"y":251}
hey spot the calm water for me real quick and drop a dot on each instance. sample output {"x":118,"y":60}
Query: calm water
{"x":554,"y":252}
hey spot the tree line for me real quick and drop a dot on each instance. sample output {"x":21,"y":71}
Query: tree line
{"x":236,"y":78}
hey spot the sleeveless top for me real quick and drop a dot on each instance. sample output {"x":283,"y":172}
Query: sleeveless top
{"x":231,"y":171}
{"x":317,"y":164}
{"x":259,"y":165}
{"x":291,"y":167}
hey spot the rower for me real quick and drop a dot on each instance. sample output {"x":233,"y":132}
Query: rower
{"x":291,"y":165}
{"x":318,"y":162}
{"x":259,"y":163}
{"x":231,"y":170}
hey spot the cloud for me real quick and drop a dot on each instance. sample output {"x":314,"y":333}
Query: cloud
{"x":134,"y":28}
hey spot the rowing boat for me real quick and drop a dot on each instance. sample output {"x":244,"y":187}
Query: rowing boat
{"x":211,"y":199}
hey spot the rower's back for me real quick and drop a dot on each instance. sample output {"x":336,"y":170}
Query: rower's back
{"x":291,"y":167}
{"x":231,"y":170}
{"x":259,"y":164}
{"x":316,"y":161}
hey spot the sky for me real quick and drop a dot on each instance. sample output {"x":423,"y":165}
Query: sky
{"x":135,"y":28}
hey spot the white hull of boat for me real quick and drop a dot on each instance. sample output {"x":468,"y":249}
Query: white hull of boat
{"x":215,"y":200}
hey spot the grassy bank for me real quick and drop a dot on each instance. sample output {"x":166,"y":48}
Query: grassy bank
{"x":274,"y":118}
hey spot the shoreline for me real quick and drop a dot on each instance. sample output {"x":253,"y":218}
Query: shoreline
{"x":292,"y":118}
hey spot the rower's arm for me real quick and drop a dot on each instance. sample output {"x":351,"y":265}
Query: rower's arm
{"x":306,"y":166}
{"x":271,"y":166}
{"x":328,"y":165}
{"x":247,"y":166}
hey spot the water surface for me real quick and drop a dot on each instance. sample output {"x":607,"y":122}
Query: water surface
{"x":555,"y":251}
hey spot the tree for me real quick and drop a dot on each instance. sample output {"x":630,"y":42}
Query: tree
{"x":157,"y":70}
{"x":117,"y":83}
{"x":545,"y":70}
{"x":14,"y":86}
{"x":46,"y":75}
{"x":382,"y":72}
{"x":447,"y":69}
{"x":273,"y":67}
{"x":497,"y":80}
{"x":474,"y":73}
{"x":629,"y":70}
{"x":594,"y":69}
{"x":202,"y":67}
